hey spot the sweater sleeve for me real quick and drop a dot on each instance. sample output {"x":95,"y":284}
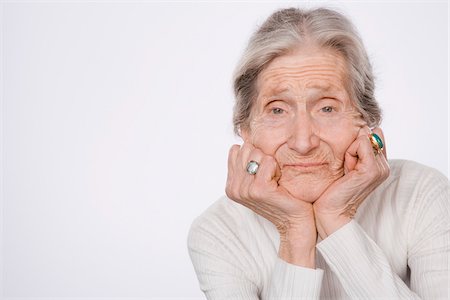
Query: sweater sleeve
{"x":226,"y":270}
{"x":429,"y":241}
{"x":363,"y":269}
{"x":361,"y":266}
{"x":294,"y":282}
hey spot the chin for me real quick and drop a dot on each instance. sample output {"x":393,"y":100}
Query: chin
{"x":308,"y":191}
{"x":309,"y":195}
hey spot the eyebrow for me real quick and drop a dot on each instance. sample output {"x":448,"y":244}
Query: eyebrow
{"x":278,"y":89}
{"x":315,"y":89}
{"x":325,"y":87}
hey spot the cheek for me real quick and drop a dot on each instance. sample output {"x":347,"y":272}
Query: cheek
{"x":339,"y":135}
{"x":268,"y":135}
{"x":339,"y":132}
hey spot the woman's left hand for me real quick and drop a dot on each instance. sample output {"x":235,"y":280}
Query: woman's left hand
{"x":364,"y":170}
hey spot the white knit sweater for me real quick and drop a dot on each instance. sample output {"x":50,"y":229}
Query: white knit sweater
{"x":397,"y":247}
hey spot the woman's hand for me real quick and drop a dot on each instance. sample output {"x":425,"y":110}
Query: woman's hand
{"x":293,"y":218}
{"x":364,"y":171}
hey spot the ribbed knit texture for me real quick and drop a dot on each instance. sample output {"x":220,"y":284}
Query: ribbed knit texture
{"x":397,"y":247}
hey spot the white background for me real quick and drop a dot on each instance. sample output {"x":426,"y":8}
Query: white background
{"x":116,"y":123}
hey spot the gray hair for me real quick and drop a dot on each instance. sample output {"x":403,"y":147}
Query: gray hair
{"x":286,"y":30}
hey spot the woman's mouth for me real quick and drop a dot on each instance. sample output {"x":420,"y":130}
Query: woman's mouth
{"x":305,"y":166}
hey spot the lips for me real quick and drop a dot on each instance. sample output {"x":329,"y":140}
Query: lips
{"x":305,"y":165}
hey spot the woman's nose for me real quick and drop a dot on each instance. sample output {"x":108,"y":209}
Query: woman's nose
{"x":303,"y":138}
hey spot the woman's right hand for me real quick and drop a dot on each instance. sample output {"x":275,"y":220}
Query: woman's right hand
{"x":293,"y":218}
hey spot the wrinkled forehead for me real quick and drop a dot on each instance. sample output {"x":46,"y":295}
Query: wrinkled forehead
{"x":311,"y":70}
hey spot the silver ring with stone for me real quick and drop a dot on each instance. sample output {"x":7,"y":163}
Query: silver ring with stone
{"x":252,"y":167}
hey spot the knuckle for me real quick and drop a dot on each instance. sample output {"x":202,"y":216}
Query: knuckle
{"x":247,"y":147}
{"x":269,"y":160}
{"x":256,"y":151}
{"x":233,"y":149}
{"x":254,"y":191}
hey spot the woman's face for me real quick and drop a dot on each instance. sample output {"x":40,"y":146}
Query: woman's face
{"x":304,"y":118}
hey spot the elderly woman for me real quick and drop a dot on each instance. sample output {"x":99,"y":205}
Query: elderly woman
{"x":313,"y":207}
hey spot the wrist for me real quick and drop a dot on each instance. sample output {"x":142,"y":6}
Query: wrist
{"x":300,"y":255}
{"x":298,"y":245}
{"x":327,"y":224}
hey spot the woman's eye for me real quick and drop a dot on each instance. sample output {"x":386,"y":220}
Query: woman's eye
{"x":277,"y":111}
{"x":327,"y":109}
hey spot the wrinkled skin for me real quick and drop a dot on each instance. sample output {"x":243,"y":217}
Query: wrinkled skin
{"x":316,"y":162}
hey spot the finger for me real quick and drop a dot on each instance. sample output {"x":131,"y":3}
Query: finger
{"x":247,"y":179}
{"x":384,"y":167}
{"x":350,"y":159}
{"x":236,"y":173}
{"x":243,"y":157}
{"x":364,"y":131}
{"x":230,"y":188}
{"x":368,"y":160}
{"x":232,"y":158}
{"x":268,"y":171}
{"x":362,"y":151}
{"x":351,"y":155}
{"x":264,"y":184}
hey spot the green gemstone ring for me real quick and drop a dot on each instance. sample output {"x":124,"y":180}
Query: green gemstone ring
{"x":376,"y":142}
